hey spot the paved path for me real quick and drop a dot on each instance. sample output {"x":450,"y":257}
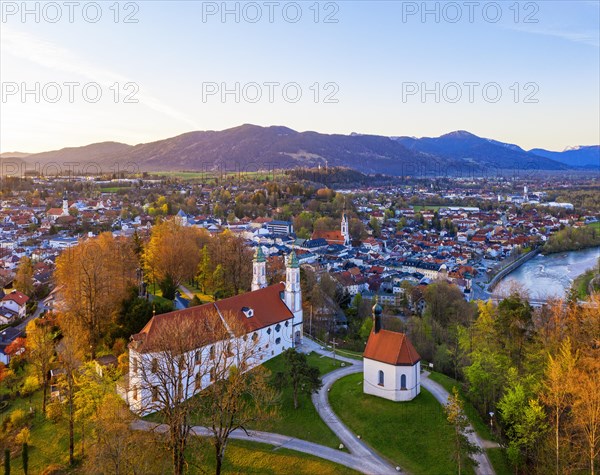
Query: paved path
{"x":485,"y":466}
{"x":280,"y":441}
{"x":372,"y":462}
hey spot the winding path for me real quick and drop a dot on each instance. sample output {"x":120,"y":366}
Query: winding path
{"x":361,"y":458}
{"x":484,"y":466}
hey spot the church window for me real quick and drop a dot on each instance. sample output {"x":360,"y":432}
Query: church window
{"x":212,"y":352}
{"x":403,"y":381}
{"x":213,"y":373}
{"x":198,"y":357}
{"x":278,"y":341}
{"x":198,"y":381}
{"x":154,"y":393}
{"x":135,"y":393}
{"x":287,"y":323}
{"x":254,"y":336}
{"x":269,"y":331}
{"x":154,"y":366}
{"x":135,"y":365}
{"x":380,"y":378}
{"x":278,"y":327}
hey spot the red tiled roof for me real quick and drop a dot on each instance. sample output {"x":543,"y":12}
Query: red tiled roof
{"x":267,"y":306}
{"x":392,"y":348}
{"x":18,"y":297}
{"x":332,"y":237}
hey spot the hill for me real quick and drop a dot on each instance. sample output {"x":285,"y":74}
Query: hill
{"x":581,"y":156}
{"x":250,"y":148}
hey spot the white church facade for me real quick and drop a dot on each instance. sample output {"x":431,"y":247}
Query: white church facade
{"x":391,"y":365}
{"x":271,"y":319}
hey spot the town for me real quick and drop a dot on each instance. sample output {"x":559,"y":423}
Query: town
{"x":395,"y":254}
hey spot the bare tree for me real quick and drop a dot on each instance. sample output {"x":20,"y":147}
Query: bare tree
{"x":200,"y":364}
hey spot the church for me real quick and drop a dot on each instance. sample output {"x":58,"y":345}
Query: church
{"x":391,"y":365}
{"x":341,"y":237}
{"x":271,"y":315}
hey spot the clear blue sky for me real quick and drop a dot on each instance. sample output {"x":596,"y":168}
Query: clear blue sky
{"x":371,"y":54}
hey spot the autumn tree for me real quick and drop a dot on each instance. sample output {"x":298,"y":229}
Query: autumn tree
{"x":95,"y":277}
{"x":24,"y":276}
{"x":172,"y":369}
{"x":298,"y":374}
{"x":558,"y":389}
{"x":172,"y":255}
{"x":70,"y":358}
{"x":463,"y":448}
{"x":40,"y":351}
{"x":586,"y":409}
{"x":116,"y":448}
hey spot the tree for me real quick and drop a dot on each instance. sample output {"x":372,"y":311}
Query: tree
{"x":463,"y":448}
{"x":24,"y":276}
{"x":586,"y":408}
{"x":70,"y":359}
{"x":40,"y":352}
{"x":116,"y":448}
{"x":375,"y":226}
{"x":302,"y":377}
{"x":557,"y":394}
{"x":523,"y":417}
{"x":25,"y":457}
{"x":171,"y":372}
{"x":95,"y":277}
{"x":172,"y":255}
{"x":236,"y":399}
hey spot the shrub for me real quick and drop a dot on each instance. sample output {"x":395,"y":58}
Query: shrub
{"x":54,"y":411}
{"x":18,"y":418}
{"x":23,"y":436}
{"x":30,"y":385}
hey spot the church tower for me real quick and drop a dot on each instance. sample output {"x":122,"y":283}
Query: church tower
{"x":259,"y":275}
{"x":65,"y":206}
{"x":293,"y":295}
{"x":345,"y":230}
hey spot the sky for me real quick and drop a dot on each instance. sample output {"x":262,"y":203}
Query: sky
{"x":75,"y":73}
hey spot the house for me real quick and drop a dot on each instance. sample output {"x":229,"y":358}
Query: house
{"x":391,"y":365}
{"x":270,"y":316}
{"x":16,"y":302}
{"x":7,"y":336}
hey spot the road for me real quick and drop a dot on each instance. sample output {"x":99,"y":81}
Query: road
{"x":38,"y":311}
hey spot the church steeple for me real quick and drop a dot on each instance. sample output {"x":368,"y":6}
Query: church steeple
{"x":377,"y":311}
{"x":259,"y":274}
{"x":65,"y":206}
{"x":293,"y":293}
{"x":345,"y":229}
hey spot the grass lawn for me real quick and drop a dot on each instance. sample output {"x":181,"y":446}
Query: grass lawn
{"x":114,"y":189}
{"x":304,"y":422}
{"x":50,"y":445}
{"x":482,"y":428}
{"x":204,"y":298}
{"x":413,"y":434}
{"x":49,"y":442}
{"x":499,"y":461}
{"x":250,"y":457}
{"x":496,"y":455}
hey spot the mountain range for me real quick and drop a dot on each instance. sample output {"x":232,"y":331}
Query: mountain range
{"x":250,"y":147}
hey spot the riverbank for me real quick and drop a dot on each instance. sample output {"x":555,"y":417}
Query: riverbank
{"x":549,"y":275}
{"x":511,"y":268}
{"x":573,"y":239}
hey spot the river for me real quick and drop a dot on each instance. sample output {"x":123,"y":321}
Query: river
{"x":551,"y":275}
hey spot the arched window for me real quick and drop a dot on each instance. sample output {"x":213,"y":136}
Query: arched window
{"x":403,"y":381}
{"x":380,"y":378}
